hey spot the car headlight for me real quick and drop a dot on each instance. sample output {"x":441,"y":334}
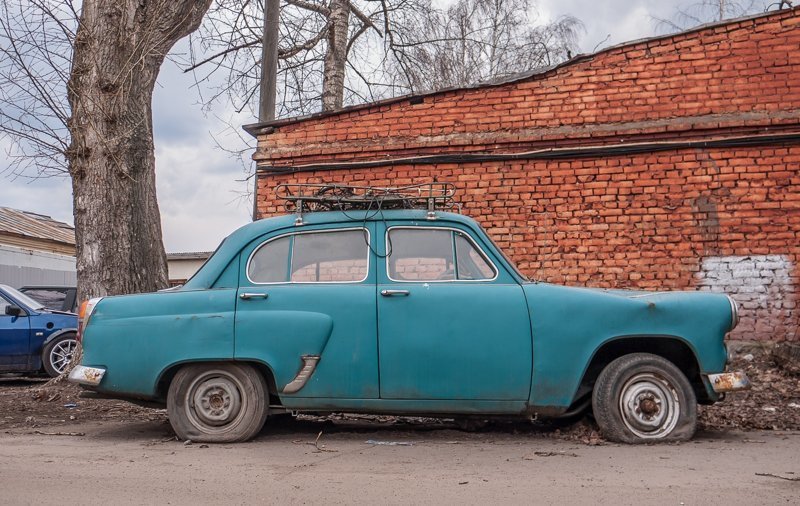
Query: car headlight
{"x":734,"y":313}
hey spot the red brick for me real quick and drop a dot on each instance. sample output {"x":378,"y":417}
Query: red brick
{"x":644,"y":220}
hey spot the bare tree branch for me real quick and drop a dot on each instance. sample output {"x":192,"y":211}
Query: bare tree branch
{"x":689,"y":15}
{"x":222,"y":53}
{"x":391,"y":47}
{"x":363,"y":17}
{"x":36,"y":39}
{"x":310,"y":7}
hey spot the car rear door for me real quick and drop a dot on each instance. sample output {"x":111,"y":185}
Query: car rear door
{"x":453,"y":324}
{"x":311,"y":292}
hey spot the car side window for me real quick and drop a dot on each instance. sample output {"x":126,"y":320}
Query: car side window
{"x":330,"y":257}
{"x":471,"y":263}
{"x":270,"y":262}
{"x":421,"y":255}
{"x":338,"y":256}
{"x":3,"y":305}
{"x":427,"y":254}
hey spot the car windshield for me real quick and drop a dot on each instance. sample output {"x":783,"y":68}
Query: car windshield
{"x":21,"y":297}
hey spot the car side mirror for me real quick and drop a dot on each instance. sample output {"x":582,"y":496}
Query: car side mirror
{"x":13,"y":310}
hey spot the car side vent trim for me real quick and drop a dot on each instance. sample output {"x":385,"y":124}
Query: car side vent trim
{"x":309,"y":366}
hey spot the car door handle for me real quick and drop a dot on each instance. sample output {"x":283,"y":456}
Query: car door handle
{"x":395,"y":293}
{"x":247,"y":295}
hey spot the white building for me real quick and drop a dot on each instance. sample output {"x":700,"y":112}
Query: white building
{"x":182,"y":266}
{"x":35,"y":250}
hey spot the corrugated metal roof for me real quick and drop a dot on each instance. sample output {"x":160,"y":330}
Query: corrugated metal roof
{"x":39,"y":226}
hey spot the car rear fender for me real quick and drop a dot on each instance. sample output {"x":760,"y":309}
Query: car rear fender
{"x":571,"y":324}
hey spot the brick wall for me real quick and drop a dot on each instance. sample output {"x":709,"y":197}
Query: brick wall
{"x":667,"y":210}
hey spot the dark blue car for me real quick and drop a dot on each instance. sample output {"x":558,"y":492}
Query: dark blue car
{"x":32,"y":337}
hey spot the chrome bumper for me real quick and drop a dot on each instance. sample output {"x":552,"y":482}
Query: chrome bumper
{"x":91,"y":376}
{"x":729,"y":382}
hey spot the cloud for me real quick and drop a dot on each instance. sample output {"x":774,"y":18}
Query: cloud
{"x":200,"y":195}
{"x":50,"y":196}
{"x":198,"y":185}
{"x":612,"y":21}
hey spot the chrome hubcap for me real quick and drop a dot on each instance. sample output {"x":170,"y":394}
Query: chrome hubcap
{"x":649,"y":405}
{"x":61,"y":354}
{"x":215,"y":400}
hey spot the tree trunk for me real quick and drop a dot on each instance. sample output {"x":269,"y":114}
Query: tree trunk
{"x":335,"y":56}
{"x":119,"y":48}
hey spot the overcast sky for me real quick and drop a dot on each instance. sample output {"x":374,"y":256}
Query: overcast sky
{"x":199,"y":185}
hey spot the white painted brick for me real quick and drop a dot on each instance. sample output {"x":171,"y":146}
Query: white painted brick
{"x":761,"y":285}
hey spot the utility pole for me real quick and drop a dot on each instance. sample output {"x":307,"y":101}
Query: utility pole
{"x":269,"y":61}
{"x":269,"y":76}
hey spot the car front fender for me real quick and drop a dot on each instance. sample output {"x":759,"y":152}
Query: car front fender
{"x":59,"y":333}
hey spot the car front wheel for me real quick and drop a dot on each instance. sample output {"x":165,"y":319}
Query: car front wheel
{"x":217,"y":403}
{"x":57,"y":354}
{"x":643,"y":398}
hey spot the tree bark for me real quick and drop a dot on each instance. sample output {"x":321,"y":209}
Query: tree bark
{"x":119,"y":48}
{"x":335,"y":56}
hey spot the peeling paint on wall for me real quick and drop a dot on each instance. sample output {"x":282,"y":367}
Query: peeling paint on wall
{"x":762,"y":287}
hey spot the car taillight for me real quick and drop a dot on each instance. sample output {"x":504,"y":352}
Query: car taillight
{"x":84,"y":313}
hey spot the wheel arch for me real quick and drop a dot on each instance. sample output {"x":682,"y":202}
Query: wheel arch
{"x":672,"y":348}
{"x":44,"y":351}
{"x":168,"y":374}
{"x":58,"y":334}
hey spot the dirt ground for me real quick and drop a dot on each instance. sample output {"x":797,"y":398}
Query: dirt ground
{"x":55,"y":445}
{"x":139,"y":462}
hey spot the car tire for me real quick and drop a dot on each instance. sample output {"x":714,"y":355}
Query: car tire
{"x":57,"y":354}
{"x":217,"y":402}
{"x":644,"y":398}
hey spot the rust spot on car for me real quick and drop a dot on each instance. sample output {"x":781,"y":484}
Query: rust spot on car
{"x":729,"y":381}
{"x":92,"y":375}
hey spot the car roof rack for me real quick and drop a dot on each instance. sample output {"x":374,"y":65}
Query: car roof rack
{"x":315,"y":197}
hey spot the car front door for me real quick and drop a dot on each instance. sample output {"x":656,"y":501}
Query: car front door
{"x":453,"y":324}
{"x":311,"y":292}
{"x":15,"y":333}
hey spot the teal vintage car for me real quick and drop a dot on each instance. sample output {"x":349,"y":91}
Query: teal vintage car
{"x":402,"y":311}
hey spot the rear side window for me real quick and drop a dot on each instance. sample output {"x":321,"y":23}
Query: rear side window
{"x":426,"y":254}
{"x":340,"y":256}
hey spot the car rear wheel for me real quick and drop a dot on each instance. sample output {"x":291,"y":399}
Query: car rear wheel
{"x":57,"y":354}
{"x":644,"y":398}
{"x":217,"y":403}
